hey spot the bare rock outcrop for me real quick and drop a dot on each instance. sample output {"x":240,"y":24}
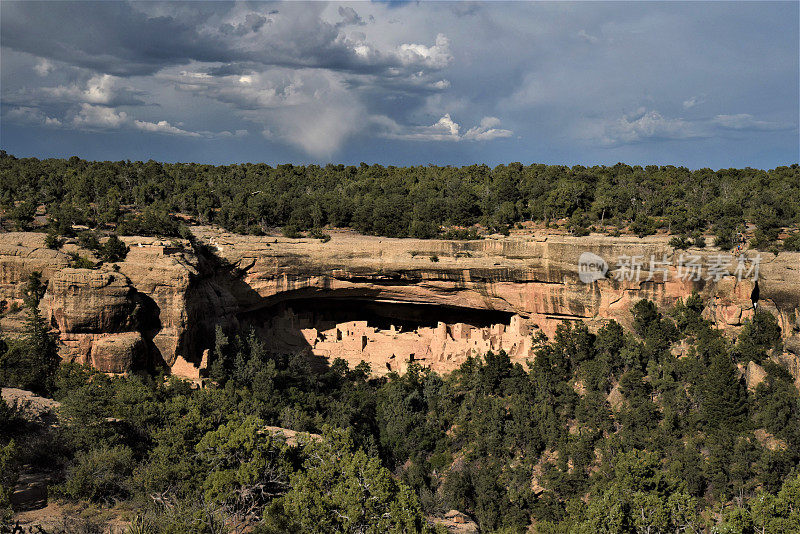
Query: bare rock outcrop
{"x":292,"y":438}
{"x":456,"y":522}
{"x":90,"y":301}
{"x":793,"y":345}
{"x":791,"y":362}
{"x":96,"y":314}
{"x":537,"y":276}
{"x":29,"y":405}
{"x":754,"y":375}
{"x":118,"y":353}
{"x":173,"y":294}
{"x":768,"y":441}
{"x":166,"y":277}
{"x":22,"y":253}
{"x":615,"y":398}
{"x":132,"y":314}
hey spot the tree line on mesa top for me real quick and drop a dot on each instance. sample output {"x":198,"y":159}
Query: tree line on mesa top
{"x":422,"y":201}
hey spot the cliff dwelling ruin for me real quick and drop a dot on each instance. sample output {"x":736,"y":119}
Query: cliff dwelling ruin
{"x":389,"y":334}
{"x":358,"y":298}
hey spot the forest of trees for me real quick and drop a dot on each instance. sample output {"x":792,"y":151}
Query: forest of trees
{"x":601,"y":432}
{"x":684,"y":446}
{"x":424,"y":201}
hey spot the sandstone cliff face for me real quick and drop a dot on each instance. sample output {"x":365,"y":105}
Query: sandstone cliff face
{"x":535,"y":277}
{"x":22,"y":253}
{"x":90,"y":301}
{"x":118,"y":318}
{"x":165,"y":277}
{"x":118,"y":353}
{"x":95,"y":313}
{"x":173,"y":297}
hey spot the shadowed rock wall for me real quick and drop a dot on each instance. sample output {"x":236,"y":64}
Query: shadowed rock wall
{"x":173,"y":296}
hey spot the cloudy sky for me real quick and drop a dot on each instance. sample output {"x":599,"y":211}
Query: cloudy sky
{"x":698,"y":84}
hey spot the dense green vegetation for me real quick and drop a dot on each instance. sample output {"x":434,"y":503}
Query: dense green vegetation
{"x":138,"y":198}
{"x":31,"y":362}
{"x":602,"y":432}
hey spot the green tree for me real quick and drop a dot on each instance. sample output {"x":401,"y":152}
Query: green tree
{"x":342,"y":489}
{"x":113,"y":250}
{"x":724,"y":402}
{"x":759,"y":335}
{"x":34,"y":289}
{"x":88,"y":240}
{"x":9,"y":473}
{"x":792,"y":242}
{"x":52,"y":240}
{"x":641,"y":498}
{"x":100,"y":474}
{"x":645,"y":316}
{"x":608,"y":513}
{"x":245,"y":467}
{"x":31,"y":362}
{"x":22,"y":214}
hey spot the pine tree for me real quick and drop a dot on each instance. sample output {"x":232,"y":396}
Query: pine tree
{"x":42,"y":350}
{"x":31,"y":363}
{"x":342,"y":489}
{"x":221,"y":365}
{"x":9,"y":473}
{"x":724,"y":396}
{"x":113,"y":250}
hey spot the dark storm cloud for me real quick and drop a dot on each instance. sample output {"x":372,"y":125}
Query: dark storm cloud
{"x":100,"y":90}
{"x":232,"y":69}
{"x":691,"y":83}
{"x":118,"y":38}
{"x":109,"y":37}
{"x":350,"y":17}
{"x":252,"y":23}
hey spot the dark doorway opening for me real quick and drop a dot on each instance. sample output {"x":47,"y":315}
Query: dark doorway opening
{"x":325,"y":313}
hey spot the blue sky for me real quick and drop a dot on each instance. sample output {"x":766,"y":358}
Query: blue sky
{"x":698,"y":84}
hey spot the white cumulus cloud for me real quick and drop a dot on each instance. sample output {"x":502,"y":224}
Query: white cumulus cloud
{"x":437,"y":56}
{"x":692,"y":102}
{"x":91,"y":116}
{"x":30,"y":115}
{"x":487,"y":130}
{"x":43,"y":67}
{"x":102,"y":89}
{"x":445,"y":129}
{"x":163,"y":127}
{"x":640,"y":126}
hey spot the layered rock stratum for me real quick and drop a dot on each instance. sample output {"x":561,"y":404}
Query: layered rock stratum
{"x":434,"y":301}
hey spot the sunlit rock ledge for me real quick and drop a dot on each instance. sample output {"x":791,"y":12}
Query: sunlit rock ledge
{"x":384,"y":299}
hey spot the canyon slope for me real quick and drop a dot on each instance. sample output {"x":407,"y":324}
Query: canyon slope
{"x":380,"y":300}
